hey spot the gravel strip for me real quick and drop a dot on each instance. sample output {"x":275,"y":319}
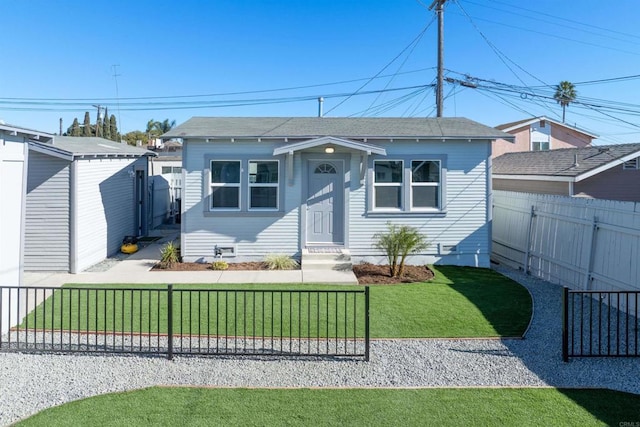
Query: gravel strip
{"x":31,"y":382}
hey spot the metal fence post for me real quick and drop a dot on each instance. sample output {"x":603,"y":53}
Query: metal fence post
{"x":527,"y":253}
{"x":170,"y":321}
{"x":565,"y":324}
{"x":366,"y":323}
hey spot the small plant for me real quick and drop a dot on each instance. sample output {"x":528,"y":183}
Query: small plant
{"x":398,"y":242}
{"x":169,"y":255}
{"x":280,"y":262}
{"x":219,"y":265}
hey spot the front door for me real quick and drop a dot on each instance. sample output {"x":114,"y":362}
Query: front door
{"x":325,"y":202}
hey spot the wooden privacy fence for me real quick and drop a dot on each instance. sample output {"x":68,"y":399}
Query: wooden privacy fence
{"x":186,"y":321}
{"x":584,"y":244}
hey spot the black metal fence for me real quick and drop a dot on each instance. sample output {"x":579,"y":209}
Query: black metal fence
{"x":186,"y":321}
{"x":600,"y":324}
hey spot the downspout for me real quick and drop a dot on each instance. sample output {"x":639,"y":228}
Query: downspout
{"x":73,"y":224}
{"x":489,"y":201}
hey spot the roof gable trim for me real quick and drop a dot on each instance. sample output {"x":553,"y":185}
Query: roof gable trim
{"x":345,"y":143}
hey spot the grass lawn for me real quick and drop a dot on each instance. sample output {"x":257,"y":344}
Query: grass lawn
{"x":459,"y":302}
{"x":379,"y":407}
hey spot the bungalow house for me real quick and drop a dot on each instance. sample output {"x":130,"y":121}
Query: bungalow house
{"x":14,"y":155}
{"x":600,"y":172}
{"x":539,"y":134}
{"x":83,"y":196}
{"x":254,"y":186}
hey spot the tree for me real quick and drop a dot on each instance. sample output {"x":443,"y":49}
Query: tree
{"x":565,"y":94}
{"x":86,"y":130}
{"x":74,"y":130}
{"x":113,"y":128}
{"x":133,"y":137}
{"x":398,"y":242}
{"x":155,"y":128}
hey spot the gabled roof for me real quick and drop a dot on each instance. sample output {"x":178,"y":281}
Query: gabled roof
{"x":567,"y":164}
{"x":328,"y":140}
{"x":340,"y":127}
{"x":509,"y":127}
{"x":71,"y":147}
{"x":27,"y":133}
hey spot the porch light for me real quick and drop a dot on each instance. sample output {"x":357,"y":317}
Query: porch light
{"x":329,"y":150}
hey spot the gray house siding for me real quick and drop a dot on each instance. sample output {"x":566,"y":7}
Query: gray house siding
{"x":459,"y":235}
{"x":47,"y":214}
{"x":612,"y":184}
{"x":252,"y":234}
{"x":104,"y":207}
{"x":557,"y":188}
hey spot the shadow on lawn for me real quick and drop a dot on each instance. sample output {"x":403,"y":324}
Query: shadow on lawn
{"x":505,"y":304}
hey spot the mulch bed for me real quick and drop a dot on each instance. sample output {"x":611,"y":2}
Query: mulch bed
{"x":369,"y":274}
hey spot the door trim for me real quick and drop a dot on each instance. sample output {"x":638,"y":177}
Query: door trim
{"x":344,"y":159}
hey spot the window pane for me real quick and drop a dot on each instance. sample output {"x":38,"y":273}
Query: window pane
{"x":388,"y":197}
{"x":425,"y":171}
{"x":225,"y":197}
{"x":166,"y":169}
{"x":425,"y":197}
{"x":264,"y":197}
{"x":225,"y":172}
{"x":263,"y":172}
{"x":388,"y":171}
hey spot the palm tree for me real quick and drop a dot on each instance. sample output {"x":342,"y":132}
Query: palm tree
{"x":158,"y":128}
{"x":565,"y":94}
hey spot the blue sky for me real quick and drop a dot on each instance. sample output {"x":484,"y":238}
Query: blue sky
{"x":58,"y":60}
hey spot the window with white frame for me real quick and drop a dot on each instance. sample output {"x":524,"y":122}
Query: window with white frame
{"x":387,"y":186}
{"x":263,"y":184}
{"x":631,"y":164}
{"x":225,"y":184}
{"x":539,"y":145}
{"x":425,"y":184}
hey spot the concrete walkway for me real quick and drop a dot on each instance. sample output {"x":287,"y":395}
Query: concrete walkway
{"x":136,"y":268}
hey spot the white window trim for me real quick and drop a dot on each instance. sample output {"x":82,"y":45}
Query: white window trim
{"x":250,"y":185}
{"x":238,"y":185}
{"x":388,"y":184}
{"x":425,"y":184}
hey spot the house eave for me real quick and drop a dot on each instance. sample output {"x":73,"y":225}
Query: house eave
{"x":328,"y":140}
{"x":535,"y":177}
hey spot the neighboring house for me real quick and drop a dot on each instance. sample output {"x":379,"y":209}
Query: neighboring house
{"x":84,"y":195}
{"x":255,"y":186}
{"x":600,"y":172}
{"x":539,"y":134}
{"x":165,"y":171}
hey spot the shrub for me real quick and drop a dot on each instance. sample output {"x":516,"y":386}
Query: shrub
{"x":219,"y":265}
{"x":169,"y":255}
{"x":398,"y":242}
{"x":280,"y":262}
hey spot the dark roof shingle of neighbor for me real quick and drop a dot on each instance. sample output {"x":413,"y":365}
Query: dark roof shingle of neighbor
{"x":310,"y":127}
{"x":561,"y":162}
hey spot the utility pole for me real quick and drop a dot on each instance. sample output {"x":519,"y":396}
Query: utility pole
{"x":439,"y":5}
{"x":115,"y":77}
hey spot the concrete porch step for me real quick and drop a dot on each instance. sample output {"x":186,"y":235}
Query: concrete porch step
{"x":336,"y":259}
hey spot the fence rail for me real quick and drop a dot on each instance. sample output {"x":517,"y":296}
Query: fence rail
{"x":600,"y":324}
{"x":179,"y":321}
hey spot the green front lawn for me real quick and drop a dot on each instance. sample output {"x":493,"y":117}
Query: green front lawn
{"x":379,"y":407}
{"x":459,"y":302}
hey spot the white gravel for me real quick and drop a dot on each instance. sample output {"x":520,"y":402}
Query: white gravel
{"x":30,"y":383}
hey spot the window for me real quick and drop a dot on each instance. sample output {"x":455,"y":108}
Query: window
{"x":425,"y":184}
{"x":539,"y":145}
{"x":263,"y":184}
{"x":387,"y":185}
{"x":225,"y":184}
{"x":631,"y":164}
{"x":408,"y":185}
{"x":171,"y":169}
